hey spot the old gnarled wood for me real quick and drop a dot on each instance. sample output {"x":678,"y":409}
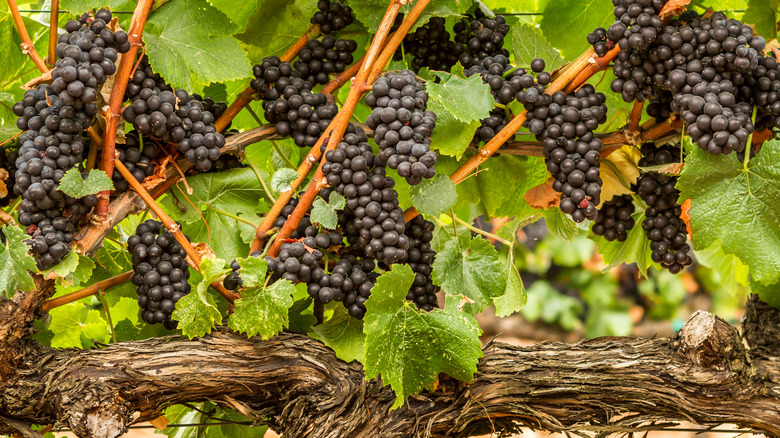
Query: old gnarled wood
{"x":704,"y":374}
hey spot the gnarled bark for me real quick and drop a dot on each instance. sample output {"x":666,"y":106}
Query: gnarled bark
{"x":704,"y":374}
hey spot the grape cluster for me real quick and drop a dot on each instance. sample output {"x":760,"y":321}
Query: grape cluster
{"x":402,"y":126}
{"x":289,"y":103}
{"x":614,"y":220}
{"x":420,"y":258}
{"x":653,"y":155}
{"x":598,"y":39}
{"x":378,"y":224}
{"x":430,"y":46}
{"x":174,"y":117}
{"x":332,"y":16}
{"x":354,"y":279}
{"x":660,"y":106}
{"x":54,"y":117}
{"x":137,"y":154}
{"x":8,"y":156}
{"x":662,"y":223}
{"x":565,"y":124}
{"x":481,"y":37}
{"x":638,"y":23}
{"x":322,"y":57}
{"x":160,"y":272}
{"x":505,"y":88}
{"x":216,"y":108}
{"x":144,"y":77}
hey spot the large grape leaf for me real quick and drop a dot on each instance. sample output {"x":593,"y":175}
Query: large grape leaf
{"x":434,"y":196}
{"x":738,"y":206}
{"x":459,"y":105}
{"x":769,"y":294}
{"x":502,"y":199}
{"x":239,"y":12}
{"x":275,"y":27}
{"x":470,"y":268}
{"x":343,"y":334}
{"x":560,"y":224}
{"x":261,"y":310}
{"x":235,"y":192}
{"x":197,"y":311}
{"x":75,"y":326}
{"x":528,"y":43}
{"x":514,"y":298}
{"x":763,"y":15}
{"x":566,"y":22}
{"x":727,"y":269}
{"x":635,"y":249}
{"x":370,"y":12}
{"x":410,"y":348}
{"x":189,"y":43}
{"x":15,"y":262}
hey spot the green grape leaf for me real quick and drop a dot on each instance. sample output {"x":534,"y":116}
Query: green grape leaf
{"x":218,"y":196}
{"x":470,"y":268}
{"x":275,"y":27}
{"x":737,"y":205}
{"x":75,"y":326}
{"x":763,"y":16}
{"x":529,"y":43}
{"x":238,"y":13}
{"x":635,"y":249}
{"x":261,"y":310}
{"x":73,"y":184}
{"x":727,"y":269}
{"x":227,"y":422}
{"x":324,"y":213}
{"x":125,"y":308}
{"x":451,"y":137}
{"x":301,"y":318}
{"x":410,"y":348}
{"x":370,"y":12}
{"x":74,"y":269}
{"x":466,"y":99}
{"x":434,"y":196}
{"x":343,"y":334}
{"x":514,"y":298}
{"x":560,"y":224}
{"x":191,"y":56}
{"x":282,"y":179}
{"x":79,"y":6}
{"x":564,"y":20}
{"x":15,"y":262}
{"x":769,"y":294}
{"x":197,"y":311}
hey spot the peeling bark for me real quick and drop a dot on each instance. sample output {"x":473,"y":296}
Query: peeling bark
{"x":703,"y":374}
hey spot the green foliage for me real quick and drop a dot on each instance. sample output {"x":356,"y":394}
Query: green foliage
{"x":737,"y":205}
{"x":324,"y":213}
{"x":197,"y":311}
{"x":343,"y":334}
{"x":560,"y":224}
{"x":15,"y":264}
{"x":282,"y":179}
{"x":635,"y":249}
{"x":74,"y":185}
{"x":370,"y":12}
{"x":471,"y":269}
{"x":410,"y":348}
{"x":567,"y":22}
{"x":434,"y":196}
{"x":261,"y":310}
{"x":75,"y":326}
{"x":528,"y":43}
{"x":189,"y":56}
{"x":274,"y":27}
{"x":200,"y":413}
{"x":763,"y":15}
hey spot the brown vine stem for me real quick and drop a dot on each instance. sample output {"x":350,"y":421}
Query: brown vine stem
{"x":87,"y":291}
{"x":248,"y":94}
{"x":117,"y":96}
{"x":53,"y":24}
{"x":571,"y":78}
{"x":335,"y":131}
{"x":636,"y":116}
{"x":27,"y":45}
{"x":171,"y":226}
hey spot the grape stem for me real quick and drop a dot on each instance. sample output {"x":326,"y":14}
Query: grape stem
{"x":100,"y":286}
{"x":749,"y":144}
{"x":248,"y":94}
{"x":636,"y":116}
{"x":569,"y":79}
{"x":112,"y":115}
{"x":373,"y":65}
{"x":27,"y":45}
{"x":487,"y":234}
{"x":171,"y":226}
{"x":261,"y":179}
{"x":53,"y":24}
